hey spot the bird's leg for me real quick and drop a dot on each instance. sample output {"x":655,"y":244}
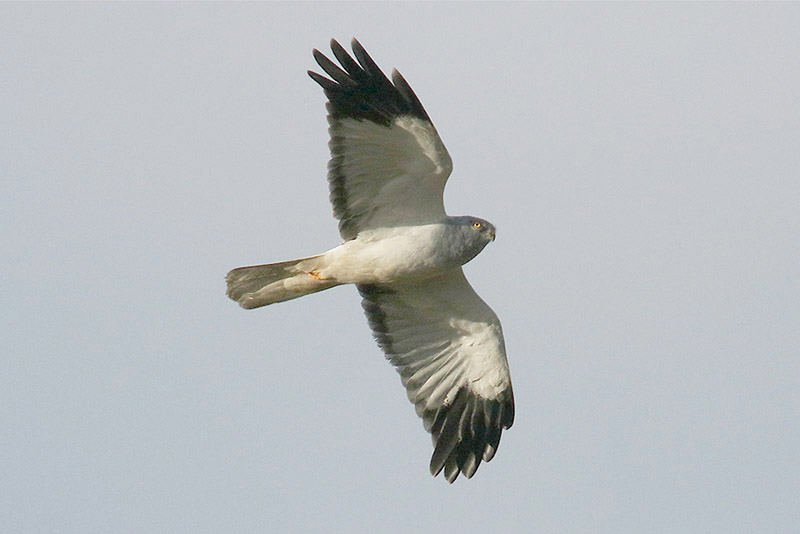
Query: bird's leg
{"x":315,"y":274}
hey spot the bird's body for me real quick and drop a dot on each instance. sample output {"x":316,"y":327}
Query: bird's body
{"x":387,"y":174}
{"x":399,"y":254}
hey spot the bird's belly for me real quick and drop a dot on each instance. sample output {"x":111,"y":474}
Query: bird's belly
{"x":395,"y":256}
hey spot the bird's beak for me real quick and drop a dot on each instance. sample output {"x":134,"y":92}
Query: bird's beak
{"x":493,"y":234}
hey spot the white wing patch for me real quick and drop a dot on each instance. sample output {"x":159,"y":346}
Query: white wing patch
{"x":429,"y":141}
{"x":387,"y":175}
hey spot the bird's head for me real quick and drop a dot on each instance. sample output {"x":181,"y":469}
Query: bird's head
{"x":484,"y":229}
{"x":473,"y":235}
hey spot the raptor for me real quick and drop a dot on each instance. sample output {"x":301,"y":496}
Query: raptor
{"x":386,"y":176}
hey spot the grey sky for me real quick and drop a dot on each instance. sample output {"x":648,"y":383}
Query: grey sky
{"x":640,"y":163}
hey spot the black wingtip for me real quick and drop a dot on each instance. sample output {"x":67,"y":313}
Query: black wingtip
{"x":317,"y":55}
{"x":325,"y":83}
{"x":466,"y":431}
{"x":357,"y":88}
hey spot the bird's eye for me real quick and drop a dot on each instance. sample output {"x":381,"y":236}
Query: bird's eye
{"x":476,"y":224}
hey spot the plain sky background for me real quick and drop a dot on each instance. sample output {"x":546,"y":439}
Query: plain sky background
{"x":641,"y":163}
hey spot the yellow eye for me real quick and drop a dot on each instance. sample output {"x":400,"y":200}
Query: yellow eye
{"x":476,"y":224}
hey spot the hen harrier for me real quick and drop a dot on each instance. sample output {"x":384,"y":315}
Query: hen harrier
{"x":386,"y":175}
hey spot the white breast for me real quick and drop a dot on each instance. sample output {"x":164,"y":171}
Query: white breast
{"x":386,"y":255}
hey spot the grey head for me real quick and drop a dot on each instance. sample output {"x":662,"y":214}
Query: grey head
{"x":467,"y":236}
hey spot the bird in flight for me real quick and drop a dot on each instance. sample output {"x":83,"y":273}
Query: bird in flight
{"x":386,"y":177}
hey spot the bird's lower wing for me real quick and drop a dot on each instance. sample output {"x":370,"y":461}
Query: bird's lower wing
{"x":447,"y":345}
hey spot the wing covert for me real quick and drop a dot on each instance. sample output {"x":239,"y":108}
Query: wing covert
{"x":388,"y":164}
{"x":447,"y":345}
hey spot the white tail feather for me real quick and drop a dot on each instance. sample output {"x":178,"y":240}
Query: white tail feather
{"x":260,"y":285}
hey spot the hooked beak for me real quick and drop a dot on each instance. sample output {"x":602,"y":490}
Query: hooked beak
{"x":493,"y":234}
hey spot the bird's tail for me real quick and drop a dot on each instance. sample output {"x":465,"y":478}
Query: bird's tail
{"x":259,"y":285}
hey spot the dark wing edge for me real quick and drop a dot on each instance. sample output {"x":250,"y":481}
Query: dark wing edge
{"x":467,"y":429}
{"x":360,"y":90}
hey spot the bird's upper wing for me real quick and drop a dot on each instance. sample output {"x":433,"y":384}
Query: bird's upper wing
{"x":447,"y":345}
{"x":388,"y":165}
